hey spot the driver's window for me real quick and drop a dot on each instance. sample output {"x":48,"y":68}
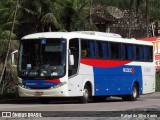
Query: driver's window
{"x":74,"y":50}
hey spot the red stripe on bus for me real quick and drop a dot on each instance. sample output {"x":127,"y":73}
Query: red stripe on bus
{"x":103,"y":63}
{"x":53,"y":80}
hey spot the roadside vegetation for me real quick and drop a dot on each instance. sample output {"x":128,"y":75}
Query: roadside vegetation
{"x":158,"y":81}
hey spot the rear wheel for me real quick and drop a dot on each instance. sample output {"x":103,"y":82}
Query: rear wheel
{"x":86,"y":95}
{"x":133,"y":96}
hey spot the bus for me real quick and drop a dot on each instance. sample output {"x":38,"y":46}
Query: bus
{"x":87,"y":65}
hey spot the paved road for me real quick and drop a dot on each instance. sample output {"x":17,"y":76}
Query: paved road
{"x":95,"y":111}
{"x":145,"y":102}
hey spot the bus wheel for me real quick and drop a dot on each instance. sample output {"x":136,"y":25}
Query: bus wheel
{"x":44,"y":100}
{"x":134,"y":94}
{"x":86,"y":95}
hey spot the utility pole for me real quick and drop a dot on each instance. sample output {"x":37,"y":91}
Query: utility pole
{"x":9,"y":43}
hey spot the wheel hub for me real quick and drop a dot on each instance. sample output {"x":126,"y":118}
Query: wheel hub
{"x":85,"y":94}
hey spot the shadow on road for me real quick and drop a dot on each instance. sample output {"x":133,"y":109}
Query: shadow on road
{"x":155,"y":95}
{"x":54,"y":101}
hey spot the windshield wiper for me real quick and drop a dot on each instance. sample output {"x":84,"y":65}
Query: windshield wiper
{"x":35,"y":73}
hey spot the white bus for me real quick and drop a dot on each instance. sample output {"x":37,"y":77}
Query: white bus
{"x":84,"y":65}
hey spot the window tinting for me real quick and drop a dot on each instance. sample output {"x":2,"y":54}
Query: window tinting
{"x":88,"y":48}
{"x":74,"y":50}
{"x":127,"y":51}
{"x":138,"y":53}
{"x":115,"y":50}
{"x":102,"y":49}
{"x":148,"y":53}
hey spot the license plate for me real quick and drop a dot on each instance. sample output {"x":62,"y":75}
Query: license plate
{"x":38,"y":93}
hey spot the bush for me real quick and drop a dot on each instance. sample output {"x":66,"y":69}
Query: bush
{"x":9,"y":82}
{"x":10,"y":78}
{"x":157,"y":82}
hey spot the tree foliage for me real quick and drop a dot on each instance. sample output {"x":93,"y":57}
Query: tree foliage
{"x":62,"y":15}
{"x":46,"y":15}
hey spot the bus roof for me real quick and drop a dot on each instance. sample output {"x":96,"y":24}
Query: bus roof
{"x":86,"y":35}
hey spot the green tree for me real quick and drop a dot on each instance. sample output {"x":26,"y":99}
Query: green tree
{"x":76,"y":15}
{"x":36,"y":16}
{"x":5,"y":26}
{"x":5,"y":38}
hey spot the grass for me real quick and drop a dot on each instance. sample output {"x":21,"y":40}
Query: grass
{"x":157,"y":82}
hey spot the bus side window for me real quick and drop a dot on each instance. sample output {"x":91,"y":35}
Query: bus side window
{"x":111,"y":51}
{"x":146,"y":53}
{"x":99,"y":49}
{"x":74,"y":49}
{"x":115,"y":50}
{"x":130,"y":51}
{"x":84,"y":48}
{"x":91,"y":49}
{"x":138,"y":53}
{"x":87,"y":49}
{"x":124,"y":51}
{"x":141,"y":53}
{"x":105,"y":50}
{"x":127,"y":51}
{"x":84,"y":53}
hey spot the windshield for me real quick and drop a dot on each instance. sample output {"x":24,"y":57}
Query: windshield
{"x":42,"y":58}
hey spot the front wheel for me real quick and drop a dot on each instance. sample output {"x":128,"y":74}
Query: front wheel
{"x":86,"y":95}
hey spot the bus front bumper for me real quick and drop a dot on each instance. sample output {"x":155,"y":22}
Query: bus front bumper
{"x":52,"y":92}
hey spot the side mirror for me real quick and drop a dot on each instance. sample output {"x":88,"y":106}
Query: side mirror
{"x":13,"y":58}
{"x":71,"y":59}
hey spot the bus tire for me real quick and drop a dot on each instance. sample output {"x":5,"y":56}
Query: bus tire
{"x":133,"y":96}
{"x":44,"y":100}
{"x":135,"y":93}
{"x":86,"y":95}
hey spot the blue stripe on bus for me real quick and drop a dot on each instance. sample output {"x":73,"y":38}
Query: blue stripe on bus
{"x":40,"y":83}
{"x":116,"y":80}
